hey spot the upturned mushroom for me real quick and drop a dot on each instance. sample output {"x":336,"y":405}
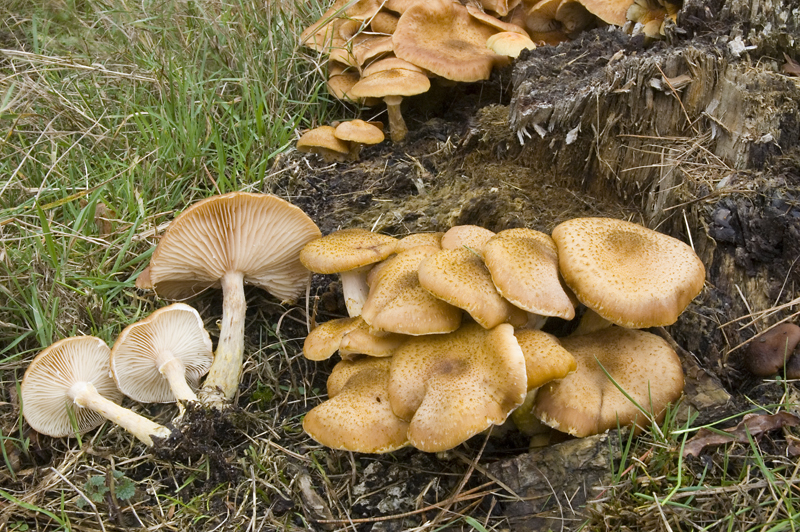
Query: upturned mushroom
{"x":228,"y":241}
{"x":70,"y":380}
{"x":629,"y":274}
{"x":161,"y":358}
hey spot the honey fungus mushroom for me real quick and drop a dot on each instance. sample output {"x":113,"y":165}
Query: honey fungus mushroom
{"x":228,"y":241}
{"x":70,"y":380}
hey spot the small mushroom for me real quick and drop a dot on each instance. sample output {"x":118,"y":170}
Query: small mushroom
{"x":155,"y":359}
{"x":509,"y":43}
{"x":358,"y":133}
{"x":322,"y":140}
{"x":69,"y":381}
{"x":769,"y":351}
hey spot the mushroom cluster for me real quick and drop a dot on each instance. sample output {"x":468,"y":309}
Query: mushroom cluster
{"x":225,"y":242}
{"x":381,"y":51}
{"x":447,"y":328}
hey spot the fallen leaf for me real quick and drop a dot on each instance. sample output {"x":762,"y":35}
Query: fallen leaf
{"x":791,"y":66}
{"x":754,"y":424}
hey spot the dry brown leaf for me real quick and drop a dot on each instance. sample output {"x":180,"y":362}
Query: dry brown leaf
{"x":790,"y":67}
{"x":754,"y":424}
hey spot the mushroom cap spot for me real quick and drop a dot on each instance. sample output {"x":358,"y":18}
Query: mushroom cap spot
{"x":257,"y":235}
{"x":586,"y":402}
{"x":346,"y":250}
{"x":471,"y":236}
{"x":393,"y":82}
{"x":322,"y":137}
{"x":441,"y":37}
{"x":359,"y":131}
{"x":358,"y":416}
{"x":545,"y":357}
{"x":322,"y":342}
{"x":459,"y":277}
{"x":419,"y":239}
{"x":630,"y":275}
{"x":363,"y":340}
{"x":46,"y":402}
{"x":398,"y":303}
{"x":768,"y":351}
{"x":524,"y":268}
{"x":175,"y":331}
{"x":455,"y":385}
{"x":510,"y":44}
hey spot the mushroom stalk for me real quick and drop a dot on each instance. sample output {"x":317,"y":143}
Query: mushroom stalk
{"x":85,"y":395}
{"x":223,"y":377}
{"x":355,"y":289}
{"x":175,"y":372}
{"x":397,"y":126}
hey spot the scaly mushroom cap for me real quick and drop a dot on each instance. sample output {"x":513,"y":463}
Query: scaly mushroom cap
{"x":398,"y":303}
{"x":346,"y":250}
{"x":524,"y":268}
{"x":46,"y":402}
{"x":455,"y":385}
{"x":460,"y":277}
{"x":628,"y":274}
{"x":586,"y":402}
{"x":358,"y":416}
{"x":172,"y":335}
{"x":769,"y":351}
{"x":441,"y":37}
{"x":545,"y":357}
{"x":419,"y":239}
{"x":258,"y":235}
{"x":363,"y":340}
{"x":471,"y":236}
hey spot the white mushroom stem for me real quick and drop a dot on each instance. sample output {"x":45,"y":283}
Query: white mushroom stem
{"x":85,"y":395}
{"x":397,"y":126}
{"x":223,"y":378}
{"x":175,"y":372}
{"x":355,"y":289}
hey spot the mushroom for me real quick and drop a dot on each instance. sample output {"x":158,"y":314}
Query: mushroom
{"x":453,"y":386}
{"x":322,"y":342}
{"x":470,"y":236}
{"x":398,"y":303}
{"x":358,"y":133}
{"x":769,"y":351}
{"x":350,"y":253}
{"x":509,"y":43}
{"x":630,"y":275}
{"x":358,"y":416}
{"x":153,"y":359}
{"x":323,"y":141}
{"x":74,"y":372}
{"x":228,"y":241}
{"x":587,"y":402}
{"x":419,"y":239}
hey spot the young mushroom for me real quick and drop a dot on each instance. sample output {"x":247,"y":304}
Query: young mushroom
{"x":228,"y":241}
{"x":155,"y":359}
{"x":70,"y":382}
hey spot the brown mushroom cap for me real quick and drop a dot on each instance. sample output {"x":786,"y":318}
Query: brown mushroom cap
{"x":441,"y":37}
{"x":398,"y":303}
{"x":628,"y":274}
{"x":586,"y":402}
{"x":471,"y":236}
{"x":359,"y":131}
{"x":524,"y":268}
{"x":345,"y":250}
{"x":322,"y":342}
{"x":769,"y":351}
{"x":161,"y":358}
{"x":384,"y":22}
{"x":363,"y":340}
{"x":358,"y":416}
{"x":341,"y":79}
{"x":453,"y":386}
{"x":419,"y":239}
{"x":545,"y":357}
{"x":459,"y":277}
{"x":323,"y":140}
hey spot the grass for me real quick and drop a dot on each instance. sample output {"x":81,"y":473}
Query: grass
{"x":114,"y":116}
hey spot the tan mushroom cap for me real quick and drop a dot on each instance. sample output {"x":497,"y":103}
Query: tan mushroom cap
{"x":363,"y":340}
{"x":524,"y":268}
{"x":586,"y":402}
{"x":161,"y":358}
{"x":320,"y":34}
{"x":494,"y":22}
{"x":454,"y":386}
{"x":610,"y":12}
{"x":345,"y":250}
{"x":372,"y":46}
{"x":359,"y":131}
{"x":322,"y":140}
{"x":257,"y":235}
{"x":49,"y":377}
{"x":384,"y":22}
{"x":471,"y":236}
{"x":322,"y":342}
{"x":510,"y":44}
{"x":441,"y":37}
{"x":398,"y":303}
{"x":390,"y":63}
{"x":628,"y":274}
{"x":545,"y":357}
{"x":358,"y":416}
{"x":419,"y":239}
{"x":459,"y":277}
{"x":341,"y":79}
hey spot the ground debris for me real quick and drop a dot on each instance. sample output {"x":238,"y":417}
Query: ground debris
{"x":752,"y":425}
